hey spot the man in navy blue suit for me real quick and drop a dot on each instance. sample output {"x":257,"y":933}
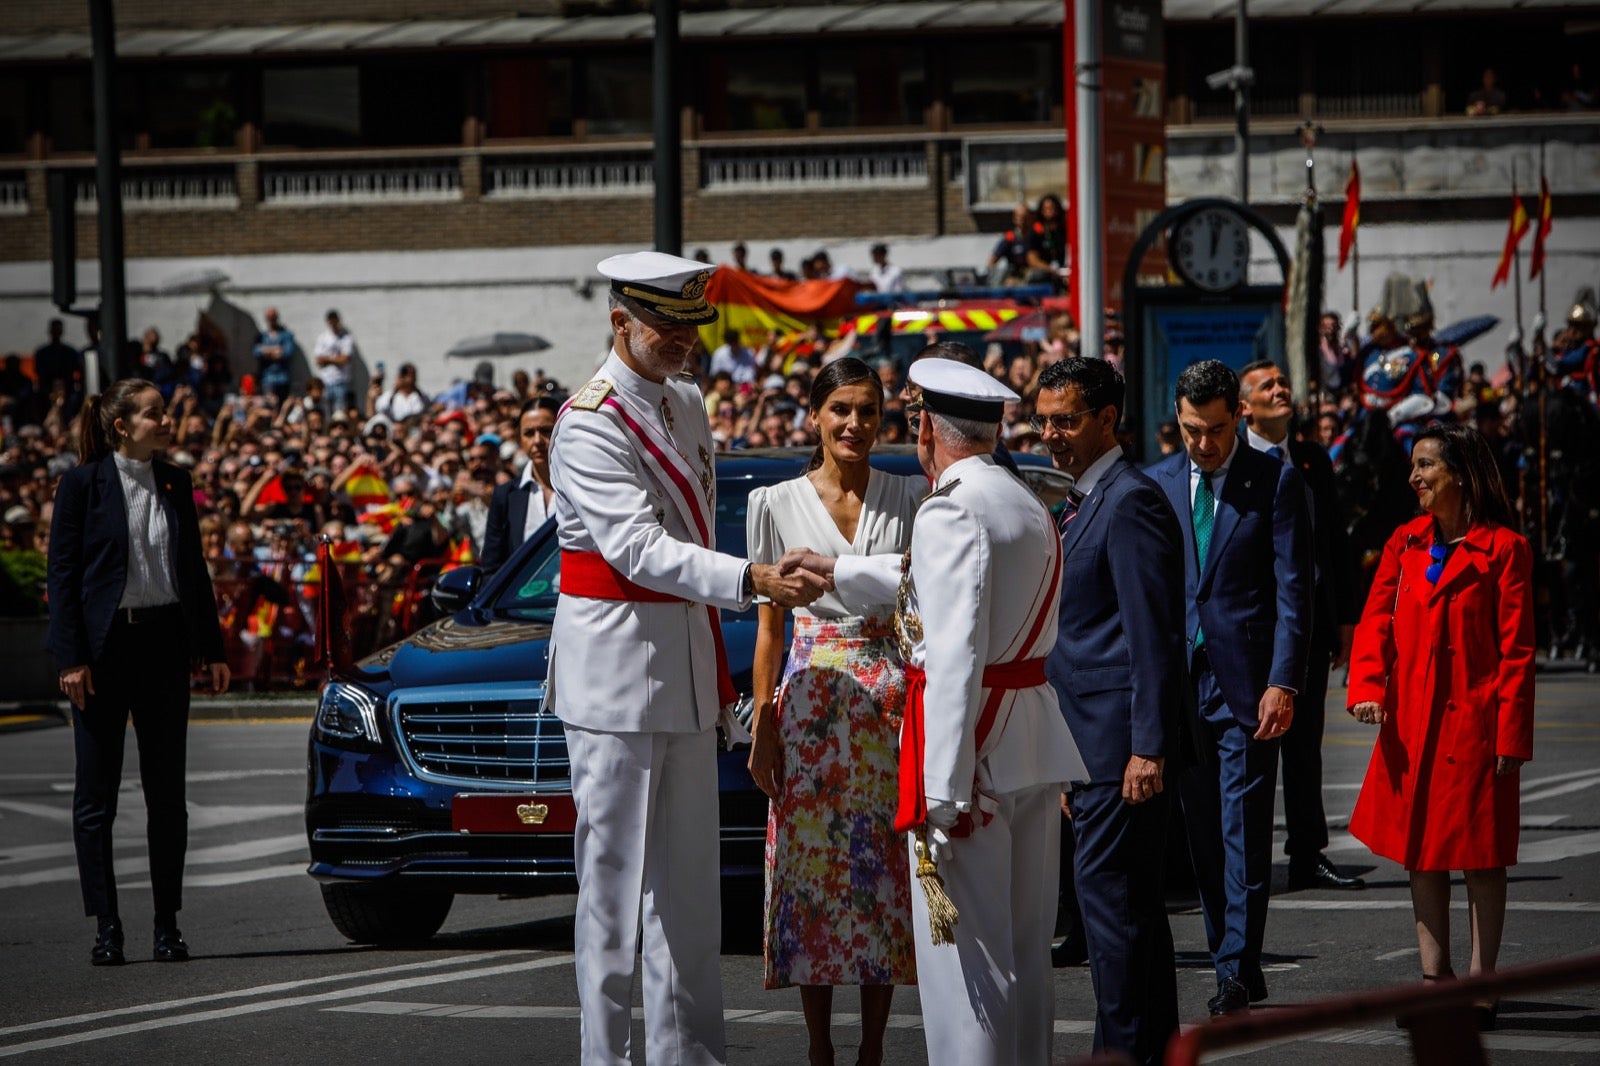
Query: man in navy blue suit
{"x":1117,"y":667}
{"x":1247,"y":577}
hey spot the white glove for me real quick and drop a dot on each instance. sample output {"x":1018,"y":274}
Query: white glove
{"x":939,"y":849}
{"x":1352,"y":323}
{"x":942,"y":814}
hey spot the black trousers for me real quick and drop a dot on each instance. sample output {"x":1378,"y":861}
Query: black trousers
{"x":144,"y":673}
{"x":1301,"y":754}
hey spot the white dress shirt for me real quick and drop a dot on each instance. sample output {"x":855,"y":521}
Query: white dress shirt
{"x":151,"y":582}
{"x":1097,"y":470}
{"x":538,"y":511}
{"x":1262,"y":444}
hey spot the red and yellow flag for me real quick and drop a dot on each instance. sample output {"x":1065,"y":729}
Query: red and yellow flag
{"x":1536,"y":258}
{"x":754,"y":305}
{"x":1514,"y":235}
{"x":1352,"y":213}
{"x":366,"y":487}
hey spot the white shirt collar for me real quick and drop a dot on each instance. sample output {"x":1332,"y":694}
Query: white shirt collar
{"x":1262,"y":444}
{"x":141,"y":469}
{"x":1097,"y":469}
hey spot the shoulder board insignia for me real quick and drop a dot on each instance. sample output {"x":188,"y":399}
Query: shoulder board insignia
{"x":592,"y":395}
{"x":945,"y":491}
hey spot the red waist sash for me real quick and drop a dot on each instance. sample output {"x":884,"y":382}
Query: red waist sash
{"x":998,"y":678}
{"x":587,"y":574}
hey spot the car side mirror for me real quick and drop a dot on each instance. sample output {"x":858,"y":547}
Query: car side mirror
{"x":456,"y":588}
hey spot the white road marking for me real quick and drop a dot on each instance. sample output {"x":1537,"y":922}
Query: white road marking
{"x":1560,"y":790}
{"x":258,"y":990}
{"x":220,"y":853}
{"x":63,"y":815}
{"x":1390,"y":956}
{"x":262,"y":1006}
{"x":193,"y":777}
{"x":200,"y":815}
{"x":1567,"y":847}
{"x":231,"y":877}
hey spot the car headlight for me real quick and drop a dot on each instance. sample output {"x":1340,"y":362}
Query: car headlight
{"x":348,"y":712}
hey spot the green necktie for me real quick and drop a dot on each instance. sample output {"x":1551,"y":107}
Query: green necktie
{"x":1205,"y":515}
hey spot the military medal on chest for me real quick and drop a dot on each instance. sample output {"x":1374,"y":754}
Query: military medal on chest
{"x":708,"y":482}
{"x":666,"y":413}
{"x":908,"y":627}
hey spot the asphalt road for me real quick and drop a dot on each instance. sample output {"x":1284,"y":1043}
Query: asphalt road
{"x":272,"y":981}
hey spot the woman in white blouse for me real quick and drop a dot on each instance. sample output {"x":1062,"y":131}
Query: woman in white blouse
{"x":827,"y":738}
{"x":131,"y":613}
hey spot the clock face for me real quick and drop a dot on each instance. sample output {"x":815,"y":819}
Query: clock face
{"x":1211,"y":249}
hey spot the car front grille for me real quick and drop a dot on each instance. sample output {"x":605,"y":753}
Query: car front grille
{"x":488,"y":740}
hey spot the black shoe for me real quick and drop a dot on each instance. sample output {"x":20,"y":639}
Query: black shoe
{"x":1256,"y":985}
{"x":169,"y":945}
{"x":1320,"y":873}
{"x":107,"y":950}
{"x":1231,"y":998}
{"x":1073,"y":951}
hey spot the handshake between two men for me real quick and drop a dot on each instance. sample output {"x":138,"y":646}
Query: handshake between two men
{"x":795,"y":580}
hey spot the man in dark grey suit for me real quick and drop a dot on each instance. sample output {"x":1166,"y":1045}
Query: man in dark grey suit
{"x":1268,"y":408}
{"x":1117,"y":667}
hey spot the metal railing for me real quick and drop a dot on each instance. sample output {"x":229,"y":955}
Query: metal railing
{"x":354,"y":182}
{"x":166,"y":188}
{"x":586,"y":174}
{"x":1439,"y":1016}
{"x":826,"y":166}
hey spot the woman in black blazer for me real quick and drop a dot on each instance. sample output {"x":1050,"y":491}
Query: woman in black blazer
{"x":131,"y":613}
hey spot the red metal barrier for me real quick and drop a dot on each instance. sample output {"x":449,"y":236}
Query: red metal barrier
{"x":1439,"y":1015}
{"x":268,"y":612}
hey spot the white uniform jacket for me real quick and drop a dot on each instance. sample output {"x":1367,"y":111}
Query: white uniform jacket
{"x":619,"y":666}
{"x":982,"y":556}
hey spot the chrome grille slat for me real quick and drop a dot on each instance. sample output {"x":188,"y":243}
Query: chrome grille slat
{"x":482,"y":740}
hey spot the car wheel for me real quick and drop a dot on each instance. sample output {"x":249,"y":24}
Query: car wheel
{"x":369,"y":915}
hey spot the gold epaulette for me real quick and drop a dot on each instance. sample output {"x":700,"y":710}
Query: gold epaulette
{"x":592,"y":395}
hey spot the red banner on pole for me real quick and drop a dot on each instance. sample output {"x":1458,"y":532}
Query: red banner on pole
{"x":1536,"y":260}
{"x":1352,"y":213}
{"x":1514,"y":235}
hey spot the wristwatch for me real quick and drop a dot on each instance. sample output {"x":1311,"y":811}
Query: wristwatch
{"x":749,"y":580}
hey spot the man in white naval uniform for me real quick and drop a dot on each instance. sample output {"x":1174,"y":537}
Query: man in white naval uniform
{"x":637,"y":673}
{"x":977,"y":614}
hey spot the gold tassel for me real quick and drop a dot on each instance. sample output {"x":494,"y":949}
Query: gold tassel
{"x":942,"y":914}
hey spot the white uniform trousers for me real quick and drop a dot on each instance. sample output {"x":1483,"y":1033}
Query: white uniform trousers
{"x":647,"y":851}
{"x":989,"y":998}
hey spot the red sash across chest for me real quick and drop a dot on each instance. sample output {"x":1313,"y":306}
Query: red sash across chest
{"x":998,"y":679}
{"x":587,"y":574}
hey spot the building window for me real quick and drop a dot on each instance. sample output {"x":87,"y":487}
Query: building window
{"x":757,"y":89}
{"x":419,"y":101}
{"x":311,"y":107}
{"x":13,"y":115}
{"x":1003,"y":81}
{"x":529,"y":97}
{"x":190,"y":108}
{"x":866,"y":86}
{"x":617,"y":90}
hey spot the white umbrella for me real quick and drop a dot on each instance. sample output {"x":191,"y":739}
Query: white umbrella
{"x":499,"y":344}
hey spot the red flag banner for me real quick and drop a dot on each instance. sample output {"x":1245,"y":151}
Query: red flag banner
{"x":1352,"y":213}
{"x":1514,"y":235}
{"x":333,"y":636}
{"x":366,"y":487}
{"x":754,"y":305}
{"x":1536,"y":259}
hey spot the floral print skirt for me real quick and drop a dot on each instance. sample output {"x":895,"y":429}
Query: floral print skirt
{"x":838,"y":905}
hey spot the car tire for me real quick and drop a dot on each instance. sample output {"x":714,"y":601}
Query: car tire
{"x":369,"y":915}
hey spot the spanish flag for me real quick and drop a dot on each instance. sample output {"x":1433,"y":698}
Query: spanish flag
{"x":459,"y":554}
{"x":754,"y":305}
{"x":1352,"y":213}
{"x":1536,"y":259}
{"x":366,"y":487}
{"x":333,"y":633}
{"x":1514,"y":235}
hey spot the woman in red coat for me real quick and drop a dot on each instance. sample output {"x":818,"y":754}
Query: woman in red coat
{"x":1443,"y":663}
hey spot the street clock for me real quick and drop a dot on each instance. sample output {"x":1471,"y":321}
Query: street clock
{"x":1211,"y":248}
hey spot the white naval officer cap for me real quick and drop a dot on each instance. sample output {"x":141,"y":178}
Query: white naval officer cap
{"x":668,"y":286}
{"x":960,"y":391}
